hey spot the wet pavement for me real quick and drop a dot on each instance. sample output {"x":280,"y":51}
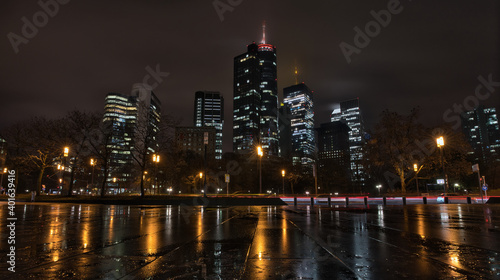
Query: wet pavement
{"x":64,"y":241}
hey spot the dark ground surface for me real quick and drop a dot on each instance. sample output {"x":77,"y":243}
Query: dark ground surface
{"x":64,"y":241}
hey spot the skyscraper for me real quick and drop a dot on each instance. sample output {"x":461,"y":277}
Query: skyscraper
{"x":209,"y":111}
{"x":481,"y":128}
{"x":333,"y":156}
{"x":255,"y":104}
{"x":299,"y":98}
{"x":350,"y":112}
{"x":134,"y":122}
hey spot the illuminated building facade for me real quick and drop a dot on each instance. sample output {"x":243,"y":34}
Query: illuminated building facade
{"x":255,"y":103}
{"x":134,"y":121}
{"x":209,"y":111}
{"x":481,"y":129}
{"x":299,"y":98}
{"x":350,"y":113}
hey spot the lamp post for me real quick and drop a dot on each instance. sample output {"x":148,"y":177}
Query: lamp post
{"x":416,"y":169}
{"x":201,"y":184}
{"x":60,"y":168}
{"x":1,"y":180}
{"x":93,"y":163}
{"x":114,"y":181}
{"x":156,"y":160}
{"x":378,"y":188}
{"x":440,"y":145}
{"x":260,"y":153}
{"x":66,"y":154}
{"x":283,"y":176}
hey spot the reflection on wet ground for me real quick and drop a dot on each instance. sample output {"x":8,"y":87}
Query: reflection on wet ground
{"x":62,"y":241}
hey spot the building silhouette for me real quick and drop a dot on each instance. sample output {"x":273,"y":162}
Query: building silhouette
{"x":299,"y":99}
{"x":194,"y":139}
{"x":132,"y":122}
{"x":350,"y":112}
{"x":209,"y":111}
{"x":334,"y":156}
{"x":255,"y":103}
{"x":482,"y":131}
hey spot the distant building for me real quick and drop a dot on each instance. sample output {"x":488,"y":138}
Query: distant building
{"x":349,"y":111}
{"x":194,"y":139}
{"x":481,"y":128}
{"x":255,"y":103}
{"x":299,"y":98}
{"x":333,"y":143}
{"x":285,"y":132}
{"x":209,"y":111}
{"x":334,"y":156}
{"x":134,"y":121}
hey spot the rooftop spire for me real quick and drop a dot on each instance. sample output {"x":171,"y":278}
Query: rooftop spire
{"x":264,"y":32}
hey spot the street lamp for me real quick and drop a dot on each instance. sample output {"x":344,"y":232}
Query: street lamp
{"x":1,"y":180}
{"x":93,"y":163}
{"x":416,"y":169}
{"x":260,"y":153}
{"x":379,"y":187}
{"x":201,"y":184}
{"x":440,"y":145}
{"x":283,"y":176}
{"x":66,"y":151}
{"x":60,"y":167}
{"x":156,"y":160}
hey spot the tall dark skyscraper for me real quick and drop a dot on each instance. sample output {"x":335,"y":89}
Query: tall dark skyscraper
{"x":209,"y":111}
{"x":299,"y":98}
{"x":481,"y":128}
{"x":350,"y":112}
{"x":255,"y":104}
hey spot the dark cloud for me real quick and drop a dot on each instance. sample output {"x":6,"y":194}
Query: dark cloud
{"x":430,"y":55}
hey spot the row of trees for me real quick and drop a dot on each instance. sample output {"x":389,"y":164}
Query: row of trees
{"x":35,"y":146}
{"x":398,"y":142}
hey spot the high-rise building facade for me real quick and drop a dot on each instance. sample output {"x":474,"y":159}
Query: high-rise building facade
{"x":349,"y":111}
{"x":209,"y":111}
{"x":482,"y":131}
{"x":299,"y":98}
{"x":334,"y":156}
{"x":255,"y":103}
{"x":134,"y":123}
{"x":333,"y":143}
{"x":285,"y":132}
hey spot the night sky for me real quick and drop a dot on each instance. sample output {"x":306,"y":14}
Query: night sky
{"x":429,"y":55}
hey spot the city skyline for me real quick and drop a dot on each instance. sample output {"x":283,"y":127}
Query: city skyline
{"x":72,"y":62}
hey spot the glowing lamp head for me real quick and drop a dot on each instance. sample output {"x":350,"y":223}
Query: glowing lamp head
{"x":440,"y":142}
{"x":66,"y":151}
{"x":5,"y":170}
{"x":283,"y":173}
{"x":415,"y":167}
{"x":259,"y":151}
{"x":201,"y":175}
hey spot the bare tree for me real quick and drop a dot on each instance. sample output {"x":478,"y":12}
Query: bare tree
{"x":101,"y":141}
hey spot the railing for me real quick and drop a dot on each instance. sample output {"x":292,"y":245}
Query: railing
{"x":365,"y":200}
